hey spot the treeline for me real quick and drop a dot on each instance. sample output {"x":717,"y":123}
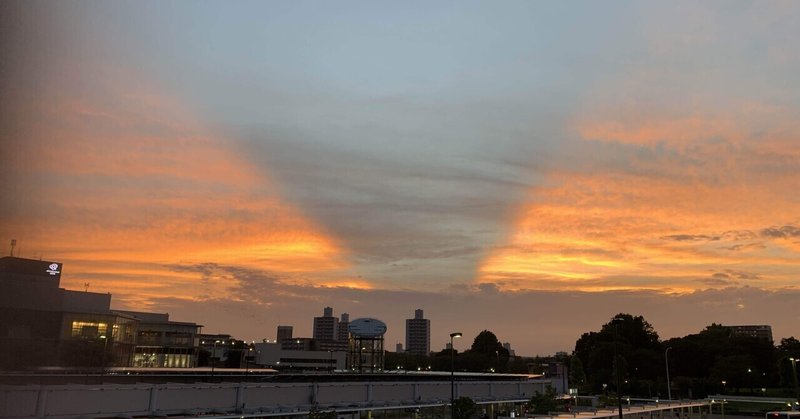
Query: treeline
{"x":486,"y":354}
{"x":712,"y":361}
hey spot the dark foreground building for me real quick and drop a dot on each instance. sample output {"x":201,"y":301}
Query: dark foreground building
{"x":44,"y":325}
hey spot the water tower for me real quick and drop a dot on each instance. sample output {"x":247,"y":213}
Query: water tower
{"x":366,"y":345}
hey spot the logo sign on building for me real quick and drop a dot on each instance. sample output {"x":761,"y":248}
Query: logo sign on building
{"x":53,"y":269}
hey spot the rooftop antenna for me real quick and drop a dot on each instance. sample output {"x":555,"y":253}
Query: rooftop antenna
{"x":13,"y":244}
{"x":86,"y":285}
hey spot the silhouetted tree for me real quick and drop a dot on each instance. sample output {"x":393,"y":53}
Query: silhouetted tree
{"x":542,"y":404}
{"x":577,"y":377}
{"x":464,"y":407}
{"x":640,"y":355}
{"x":486,"y":353}
{"x":485,"y":343}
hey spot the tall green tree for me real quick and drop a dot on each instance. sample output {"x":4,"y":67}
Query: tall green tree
{"x":639,"y":349}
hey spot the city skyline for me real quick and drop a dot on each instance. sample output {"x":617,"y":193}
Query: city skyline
{"x":530,"y":169}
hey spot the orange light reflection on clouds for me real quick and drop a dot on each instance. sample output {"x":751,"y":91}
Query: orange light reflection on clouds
{"x":134,"y":185}
{"x":691,"y":215}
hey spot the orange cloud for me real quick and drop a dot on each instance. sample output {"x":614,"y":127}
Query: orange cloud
{"x":678,"y":220}
{"x":120,"y":186}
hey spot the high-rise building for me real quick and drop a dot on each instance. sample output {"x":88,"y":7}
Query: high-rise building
{"x":418,"y":334}
{"x":343,"y":335}
{"x":284,"y":333}
{"x":327,"y":326}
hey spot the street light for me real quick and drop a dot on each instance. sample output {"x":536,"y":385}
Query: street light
{"x":452,"y":373}
{"x":669,"y":386}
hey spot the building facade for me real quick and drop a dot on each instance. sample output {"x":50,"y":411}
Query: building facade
{"x":42,"y":325}
{"x":161,"y":342}
{"x":761,"y":331}
{"x":274,"y":355}
{"x":343,"y":335}
{"x":418,"y":334}
{"x":284,"y":333}
{"x":327,"y":326}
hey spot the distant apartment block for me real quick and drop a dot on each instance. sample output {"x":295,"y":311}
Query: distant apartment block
{"x":418,"y":334}
{"x":343,"y":335}
{"x":754,"y":331}
{"x":327,"y":326}
{"x":284,"y":333}
{"x":507,"y":347}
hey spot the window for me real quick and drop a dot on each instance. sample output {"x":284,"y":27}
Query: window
{"x":88,"y":330}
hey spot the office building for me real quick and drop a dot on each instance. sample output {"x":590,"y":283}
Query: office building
{"x":418,"y":334}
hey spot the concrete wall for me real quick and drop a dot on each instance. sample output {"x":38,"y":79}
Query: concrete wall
{"x":73,"y":401}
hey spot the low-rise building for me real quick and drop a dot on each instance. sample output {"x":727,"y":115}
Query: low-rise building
{"x":42,"y":324}
{"x":161,"y":342}
{"x":273,"y":355}
{"x":761,"y":331}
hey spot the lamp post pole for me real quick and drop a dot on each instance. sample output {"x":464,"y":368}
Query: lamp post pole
{"x":669,"y":385}
{"x":794,"y":374}
{"x":213,"y":356}
{"x":453,"y":374}
{"x":616,"y":322}
{"x":103,"y":357}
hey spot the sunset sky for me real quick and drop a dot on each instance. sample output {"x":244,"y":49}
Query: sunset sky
{"x":531,"y":168}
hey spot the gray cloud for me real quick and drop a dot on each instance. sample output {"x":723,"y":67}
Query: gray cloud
{"x":735,"y":274}
{"x":745,"y":246}
{"x":717,"y":281}
{"x":690,"y":237}
{"x":774,"y":232}
{"x":782,"y":232}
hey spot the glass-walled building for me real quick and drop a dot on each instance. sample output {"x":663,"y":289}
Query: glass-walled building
{"x":164,"y":343}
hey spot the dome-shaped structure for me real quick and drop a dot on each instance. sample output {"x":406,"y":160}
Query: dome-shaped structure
{"x":367,"y":328}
